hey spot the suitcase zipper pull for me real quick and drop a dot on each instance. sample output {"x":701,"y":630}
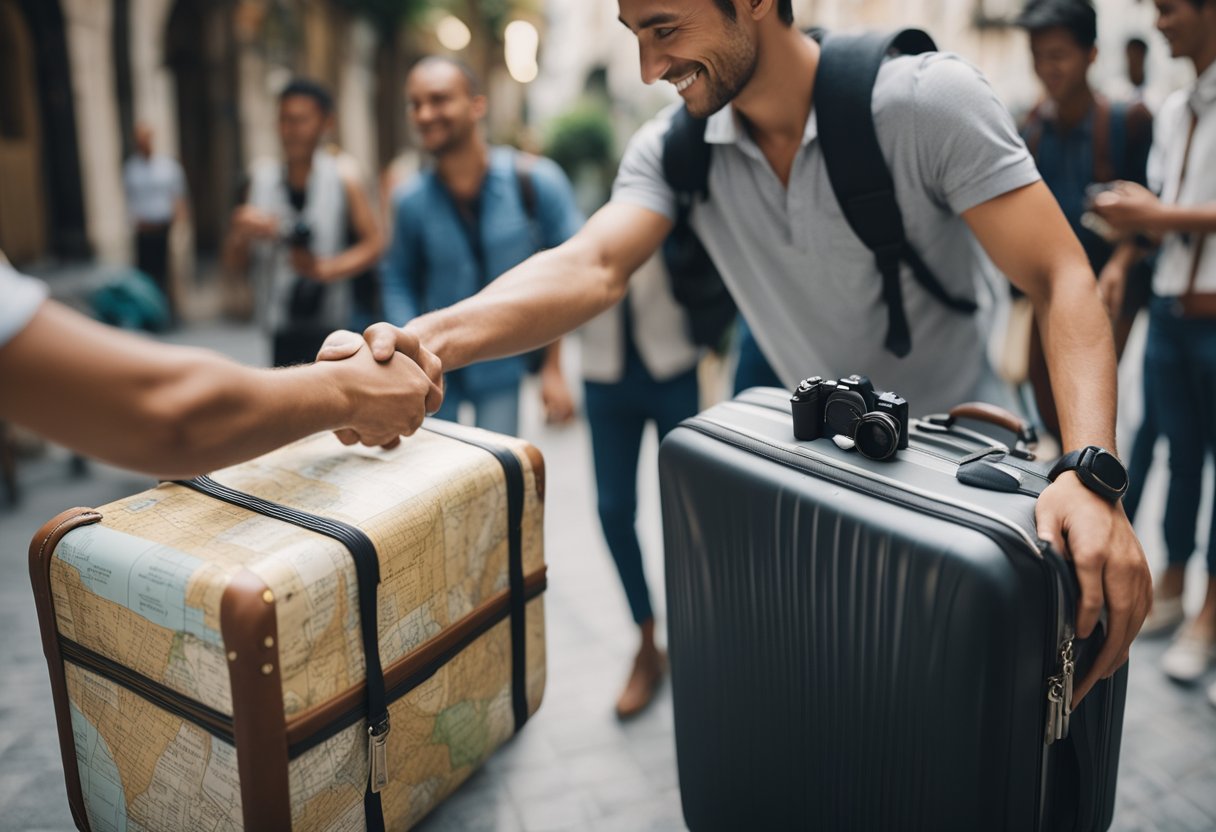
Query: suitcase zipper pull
{"x":1059,"y":695}
{"x":1069,"y":667}
{"x":377,"y":753}
{"x":1055,"y":708}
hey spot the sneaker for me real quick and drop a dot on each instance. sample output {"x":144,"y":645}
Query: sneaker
{"x":1188,"y":658}
{"x":1212,"y":695}
{"x":1164,"y":618}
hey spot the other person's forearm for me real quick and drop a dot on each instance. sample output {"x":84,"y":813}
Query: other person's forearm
{"x":165,"y":410}
{"x":1183,"y":219}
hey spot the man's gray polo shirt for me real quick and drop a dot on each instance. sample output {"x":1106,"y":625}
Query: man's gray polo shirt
{"x":805,"y":283}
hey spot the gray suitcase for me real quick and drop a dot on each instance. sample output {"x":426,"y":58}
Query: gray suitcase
{"x":873,"y":645}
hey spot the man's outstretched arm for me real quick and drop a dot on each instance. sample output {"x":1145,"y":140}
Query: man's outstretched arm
{"x":1028,"y":238}
{"x":541,"y":299}
{"x":176,"y":411}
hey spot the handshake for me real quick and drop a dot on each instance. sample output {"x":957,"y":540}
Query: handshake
{"x":387,"y":381}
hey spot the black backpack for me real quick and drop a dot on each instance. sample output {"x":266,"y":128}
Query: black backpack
{"x":861,"y":181}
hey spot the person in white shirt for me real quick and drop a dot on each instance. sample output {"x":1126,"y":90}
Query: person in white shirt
{"x":156,"y":198}
{"x":1180,"y":360}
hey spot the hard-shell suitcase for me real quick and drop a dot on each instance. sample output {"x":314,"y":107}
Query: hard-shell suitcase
{"x":324,"y":638}
{"x":873,"y":645}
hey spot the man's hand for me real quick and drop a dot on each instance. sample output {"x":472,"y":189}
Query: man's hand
{"x":1128,"y":207}
{"x":1110,"y":566}
{"x":555,"y":395}
{"x":1112,"y":284}
{"x":252,"y":224}
{"x":393,"y":343}
{"x":388,"y":399}
{"x":307,"y":265}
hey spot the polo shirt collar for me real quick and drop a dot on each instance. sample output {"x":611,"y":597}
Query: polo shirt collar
{"x":726,"y":127}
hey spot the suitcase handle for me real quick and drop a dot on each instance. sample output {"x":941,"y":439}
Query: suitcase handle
{"x":992,"y":415}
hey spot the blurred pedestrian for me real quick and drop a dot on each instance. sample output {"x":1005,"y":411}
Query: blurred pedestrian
{"x":304,"y":230}
{"x":1080,"y":140}
{"x":1180,"y":358}
{"x":477,"y":212}
{"x":174,"y":411}
{"x":1136,"y":53}
{"x":156,"y":199}
{"x":639,"y":365}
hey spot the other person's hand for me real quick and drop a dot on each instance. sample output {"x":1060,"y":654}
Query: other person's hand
{"x":392,"y":342}
{"x":556,"y":397}
{"x":1127,"y":207}
{"x":1110,"y":565}
{"x":1112,"y":284}
{"x":252,"y":223}
{"x":307,"y":265}
{"x":387,"y":399}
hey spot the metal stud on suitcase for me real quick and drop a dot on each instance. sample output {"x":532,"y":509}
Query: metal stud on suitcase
{"x":873,"y":645}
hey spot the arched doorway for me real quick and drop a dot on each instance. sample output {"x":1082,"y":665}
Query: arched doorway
{"x":44,"y":69}
{"x":200,"y":49}
{"x":22,"y":213}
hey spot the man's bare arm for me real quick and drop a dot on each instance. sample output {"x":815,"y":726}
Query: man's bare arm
{"x":175,"y":411}
{"x":1028,"y":238}
{"x":365,"y":253}
{"x":1030,"y":241}
{"x":544,"y":297}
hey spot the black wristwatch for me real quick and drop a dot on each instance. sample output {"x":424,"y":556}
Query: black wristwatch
{"x":1098,"y":468}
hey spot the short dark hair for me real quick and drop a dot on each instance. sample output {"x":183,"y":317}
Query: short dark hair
{"x":785,"y":10}
{"x":1137,"y":43}
{"x":1076,"y":16}
{"x":309,"y":89}
{"x":471,"y":78}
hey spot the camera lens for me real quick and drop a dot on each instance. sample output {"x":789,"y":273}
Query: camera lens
{"x":877,"y":436}
{"x":842,"y":411}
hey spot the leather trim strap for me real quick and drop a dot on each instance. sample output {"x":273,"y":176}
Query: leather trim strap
{"x":513,"y":472}
{"x":367,"y":572}
{"x":42,"y":548}
{"x":251,"y":638}
{"x":317,"y":724}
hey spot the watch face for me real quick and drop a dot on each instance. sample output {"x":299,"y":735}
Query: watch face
{"x":1109,"y":471}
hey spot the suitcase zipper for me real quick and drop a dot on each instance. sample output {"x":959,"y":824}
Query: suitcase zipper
{"x":220,"y":725}
{"x":802,"y":459}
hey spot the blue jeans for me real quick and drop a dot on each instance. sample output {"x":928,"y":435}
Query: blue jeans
{"x":753,"y":369}
{"x":618,"y":414}
{"x":1180,"y":366}
{"x":496,"y":410}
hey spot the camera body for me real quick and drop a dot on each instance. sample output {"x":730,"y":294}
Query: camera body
{"x":299,"y":235}
{"x":876,"y":421}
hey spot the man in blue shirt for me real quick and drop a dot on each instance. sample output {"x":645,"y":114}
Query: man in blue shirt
{"x":480,"y":211}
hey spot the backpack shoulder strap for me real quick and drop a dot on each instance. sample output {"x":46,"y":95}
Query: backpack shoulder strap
{"x":1105,"y":139}
{"x":862,"y":182}
{"x":686,"y":158}
{"x":525,"y":163}
{"x":1032,"y":131}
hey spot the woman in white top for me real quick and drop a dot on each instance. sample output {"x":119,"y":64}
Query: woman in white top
{"x":1180,"y":360}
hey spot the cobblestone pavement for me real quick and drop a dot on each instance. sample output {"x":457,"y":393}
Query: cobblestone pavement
{"x":574,"y":767}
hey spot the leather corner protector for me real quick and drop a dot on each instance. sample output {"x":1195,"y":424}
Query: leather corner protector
{"x":249,"y":627}
{"x":537,"y":460}
{"x":42,"y":547}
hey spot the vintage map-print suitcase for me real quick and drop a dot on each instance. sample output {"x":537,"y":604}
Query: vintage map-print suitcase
{"x":322,"y":638}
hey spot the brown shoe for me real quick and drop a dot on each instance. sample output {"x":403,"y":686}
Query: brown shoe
{"x":647,"y":675}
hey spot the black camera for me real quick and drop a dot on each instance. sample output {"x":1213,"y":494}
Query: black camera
{"x":299,"y":235}
{"x":877,"y":422}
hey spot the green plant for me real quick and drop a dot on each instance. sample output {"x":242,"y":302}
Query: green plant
{"x":581,"y":136}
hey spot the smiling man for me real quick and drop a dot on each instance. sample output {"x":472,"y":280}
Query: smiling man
{"x":808,"y":286}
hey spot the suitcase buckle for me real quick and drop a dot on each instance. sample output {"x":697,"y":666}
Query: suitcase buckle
{"x":377,"y":755}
